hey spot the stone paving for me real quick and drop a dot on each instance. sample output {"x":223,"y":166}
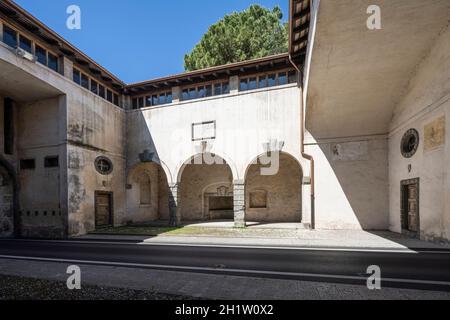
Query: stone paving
{"x":212,"y":286}
{"x":280,"y":238}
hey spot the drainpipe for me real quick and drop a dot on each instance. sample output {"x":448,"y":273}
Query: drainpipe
{"x":305,"y":155}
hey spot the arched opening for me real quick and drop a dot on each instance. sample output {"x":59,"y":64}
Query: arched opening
{"x":274,"y":195}
{"x":7,"y":203}
{"x":147,"y":194}
{"x":206,"y":189}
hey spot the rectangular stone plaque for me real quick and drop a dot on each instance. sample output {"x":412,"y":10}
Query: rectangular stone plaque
{"x":204,"y":131}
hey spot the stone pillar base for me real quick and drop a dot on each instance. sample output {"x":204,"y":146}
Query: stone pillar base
{"x":239,"y":205}
{"x":174,"y":206}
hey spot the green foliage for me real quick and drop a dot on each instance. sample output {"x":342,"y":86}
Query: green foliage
{"x":254,"y":33}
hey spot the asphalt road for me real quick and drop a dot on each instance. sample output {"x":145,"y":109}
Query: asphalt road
{"x":424,"y":269}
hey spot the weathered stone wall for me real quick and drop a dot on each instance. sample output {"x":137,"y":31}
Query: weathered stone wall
{"x":158,"y":206}
{"x":197,"y":181}
{"x":426,"y":108}
{"x":95,"y":128}
{"x":281,"y":193}
{"x":39,"y":197}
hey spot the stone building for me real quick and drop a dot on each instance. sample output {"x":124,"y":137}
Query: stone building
{"x":337,"y":133}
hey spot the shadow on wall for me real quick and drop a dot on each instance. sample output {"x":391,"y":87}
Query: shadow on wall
{"x":148,"y":191}
{"x":352,"y":189}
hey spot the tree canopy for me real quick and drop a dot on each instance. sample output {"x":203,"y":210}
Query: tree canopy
{"x":254,"y":33}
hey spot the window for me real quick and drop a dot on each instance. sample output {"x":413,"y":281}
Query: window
{"x":169,"y":98}
{"x":103,"y":165}
{"x":76,"y":76}
{"x":244,"y":85}
{"x":101,"y":91}
{"x":25,"y":44}
{"x":94,"y":86}
{"x":252,"y":85}
{"x":109,"y":95}
{"x":282,"y":80}
{"x":51,"y":162}
{"x":135,"y":103}
{"x":141,"y":102}
{"x":262,"y":83}
{"x":41,"y":55}
{"x":292,"y":77}
{"x":208,"y":90}
{"x":192,"y":93}
{"x":268,"y":80}
{"x":272,"y":80}
{"x":225,"y":88}
{"x":162,"y":99}
{"x":84,"y":81}
{"x":53,"y":62}
{"x":201,"y":92}
{"x":154,"y":100}
{"x":185,"y":95}
{"x":9,"y":36}
{"x":27,"y":164}
{"x":217,"y":89}
{"x":116,"y":99}
{"x":8,"y":126}
{"x":410,"y":143}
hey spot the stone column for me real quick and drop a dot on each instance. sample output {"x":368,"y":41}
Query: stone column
{"x":174,"y":205}
{"x":1,"y":32}
{"x":239,"y":204}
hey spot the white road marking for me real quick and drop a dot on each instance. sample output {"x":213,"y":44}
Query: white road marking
{"x":235,"y":271}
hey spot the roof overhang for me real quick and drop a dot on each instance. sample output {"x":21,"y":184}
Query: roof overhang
{"x":10,"y":11}
{"x":214,"y":73}
{"x":357,"y":76}
{"x":299,"y":25}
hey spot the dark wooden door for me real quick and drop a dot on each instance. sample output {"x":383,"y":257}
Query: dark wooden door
{"x":412,"y":208}
{"x":103,"y":209}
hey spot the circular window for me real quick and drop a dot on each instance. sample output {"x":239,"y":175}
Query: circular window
{"x":410,"y":143}
{"x":103,"y":165}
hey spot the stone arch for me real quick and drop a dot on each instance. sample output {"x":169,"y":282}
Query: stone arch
{"x":205,"y":190}
{"x":274,"y":197}
{"x":156,"y":204}
{"x":9,"y":205}
{"x":225,"y":159}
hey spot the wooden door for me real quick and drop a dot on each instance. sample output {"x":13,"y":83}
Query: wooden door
{"x":412,"y":208}
{"x":103,"y":209}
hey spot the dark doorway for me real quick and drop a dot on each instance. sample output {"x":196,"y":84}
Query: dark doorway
{"x":103,"y":209}
{"x":410,"y":207}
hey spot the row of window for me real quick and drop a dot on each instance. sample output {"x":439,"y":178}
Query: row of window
{"x":153,"y":100}
{"x":16,"y":40}
{"x":95,"y":87}
{"x":268,"y":80}
{"x":30,"y":164}
{"x":218,"y":88}
{"x":203,"y":91}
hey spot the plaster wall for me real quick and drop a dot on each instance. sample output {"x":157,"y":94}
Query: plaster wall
{"x":245,"y":122}
{"x":425,"y":103}
{"x":351,"y":182}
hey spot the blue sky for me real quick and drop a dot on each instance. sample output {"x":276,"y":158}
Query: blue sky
{"x":139,"y":39}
